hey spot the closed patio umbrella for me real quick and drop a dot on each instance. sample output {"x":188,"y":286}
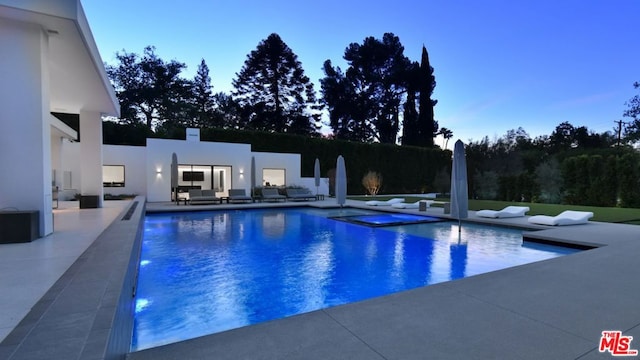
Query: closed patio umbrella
{"x":459,"y":192}
{"x":174,"y":176}
{"x":253,"y":176}
{"x":341,"y":181}
{"x":316,"y":174}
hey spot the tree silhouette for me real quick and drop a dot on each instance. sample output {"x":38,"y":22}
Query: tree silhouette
{"x":446,"y":134}
{"x":150,"y":90}
{"x":273,"y":91}
{"x":366,"y":99}
{"x":632,"y":130}
{"x":203,"y":99}
{"x":427,"y":126}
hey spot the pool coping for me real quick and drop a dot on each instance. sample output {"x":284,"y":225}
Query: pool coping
{"x":88,"y":312}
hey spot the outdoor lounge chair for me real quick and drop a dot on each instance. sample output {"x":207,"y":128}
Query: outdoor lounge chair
{"x":568,"y":217}
{"x":238,"y":195}
{"x":300,"y":194}
{"x":272,"y":194}
{"x":415,"y":205}
{"x":385,"y":203}
{"x":197,"y":196}
{"x":507,"y":212}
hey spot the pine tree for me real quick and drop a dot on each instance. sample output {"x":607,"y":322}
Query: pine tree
{"x":203,"y":98}
{"x":273,"y":91}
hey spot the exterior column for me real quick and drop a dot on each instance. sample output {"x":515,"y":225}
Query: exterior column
{"x":91,"y":154}
{"x":25,"y":139}
{"x":56,"y":161}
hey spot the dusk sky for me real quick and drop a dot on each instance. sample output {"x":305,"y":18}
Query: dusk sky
{"x":498,"y":64}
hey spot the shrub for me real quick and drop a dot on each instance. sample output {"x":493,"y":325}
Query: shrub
{"x":372,"y":182}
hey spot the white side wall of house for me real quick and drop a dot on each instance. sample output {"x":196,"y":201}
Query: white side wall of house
{"x":148,"y":169}
{"x":289,"y":162}
{"x":310,"y":183}
{"x":158,"y":167}
{"x":134,"y":160}
{"x":25,"y":139}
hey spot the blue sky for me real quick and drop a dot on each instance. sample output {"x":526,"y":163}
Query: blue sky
{"x":499,"y":64}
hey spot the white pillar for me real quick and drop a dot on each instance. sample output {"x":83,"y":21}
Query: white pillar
{"x":56,"y":161}
{"x":25,"y":139}
{"x":91,"y":154}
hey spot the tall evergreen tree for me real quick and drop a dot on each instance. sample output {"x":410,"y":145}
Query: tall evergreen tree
{"x":203,"y":98}
{"x":273,"y":91}
{"x":410,"y":130}
{"x":427,"y":126}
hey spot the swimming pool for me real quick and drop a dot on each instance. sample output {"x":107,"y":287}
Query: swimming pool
{"x":206,"y":272}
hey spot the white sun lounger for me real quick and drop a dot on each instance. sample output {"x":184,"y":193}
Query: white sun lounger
{"x":385,"y":203}
{"x":415,"y":205}
{"x":507,"y":212}
{"x":568,"y":217}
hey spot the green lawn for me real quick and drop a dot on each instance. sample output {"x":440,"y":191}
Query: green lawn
{"x":605,"y":214}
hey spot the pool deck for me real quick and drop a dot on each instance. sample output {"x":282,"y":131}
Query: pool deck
{"x":555,"y":308}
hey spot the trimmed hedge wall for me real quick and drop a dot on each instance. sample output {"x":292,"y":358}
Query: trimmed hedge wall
{"x":404,"y":169}
{"x":599,"y":181}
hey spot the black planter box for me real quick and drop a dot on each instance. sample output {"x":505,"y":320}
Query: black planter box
{"x":89,"y":201}
{"x":19,"y":226}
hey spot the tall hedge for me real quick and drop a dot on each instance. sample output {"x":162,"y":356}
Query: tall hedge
{"x":599,"y":181}
{"x":405,"y":169}
{"x":629,"y":180}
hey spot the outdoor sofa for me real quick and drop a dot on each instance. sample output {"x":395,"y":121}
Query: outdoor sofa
{"x":197,"y":196}
{"x":271,"y":194}
{"x":300,"y":194}
{"x":238,"y":195}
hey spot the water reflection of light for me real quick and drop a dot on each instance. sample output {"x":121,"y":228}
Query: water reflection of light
{"x":457,"y":235}
{"x":318,"y":263}
{"x":371,"y":251}
{"x":144,"y":262}
{"x":142,"y":304}
{"x":398,"y":253}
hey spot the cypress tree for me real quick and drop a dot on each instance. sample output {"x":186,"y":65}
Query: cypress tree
{"x":427,"y":126}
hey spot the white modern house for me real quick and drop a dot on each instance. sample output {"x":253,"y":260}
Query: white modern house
{"x":146,"y":170}
{"x":49,"y":63}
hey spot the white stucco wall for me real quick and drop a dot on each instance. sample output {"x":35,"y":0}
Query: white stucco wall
{"x":134,"y":159}
{"x":310,"y":183}
{"x":25,"y":140}
{"x":158,"y":165}
{"x":148,"y":169}
{"x":289,"y":162}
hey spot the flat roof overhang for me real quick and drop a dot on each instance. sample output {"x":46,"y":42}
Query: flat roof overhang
{"x":78,"y":79}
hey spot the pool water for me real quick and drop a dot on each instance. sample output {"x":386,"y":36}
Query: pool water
{"x":207,"y":272}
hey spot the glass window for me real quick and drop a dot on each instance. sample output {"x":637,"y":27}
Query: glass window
{"x":273,"y":177}
{"x":113,"y":175}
